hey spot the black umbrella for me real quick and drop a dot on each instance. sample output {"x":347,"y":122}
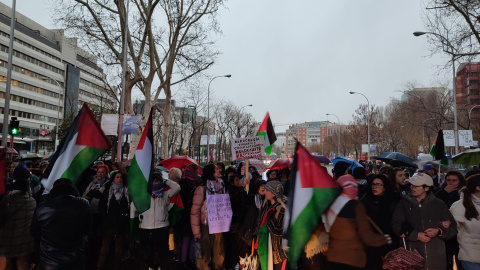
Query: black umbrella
{"x":401,"y":159}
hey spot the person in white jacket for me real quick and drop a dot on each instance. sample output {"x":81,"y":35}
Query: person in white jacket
{"x":466,"y":213}
{"x":154,"y":226}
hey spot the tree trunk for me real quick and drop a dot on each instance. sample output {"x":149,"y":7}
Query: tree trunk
{"x":166,"y":122}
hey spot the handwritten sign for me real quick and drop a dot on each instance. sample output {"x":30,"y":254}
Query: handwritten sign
{"x":465,"y":138}
{"x":449,"y":137}
{"x":248,"y":147}
{"x":219,"y":212}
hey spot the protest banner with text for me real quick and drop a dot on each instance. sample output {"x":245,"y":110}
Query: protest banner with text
{"x":248,"y":147}
{"x":219,"y":212}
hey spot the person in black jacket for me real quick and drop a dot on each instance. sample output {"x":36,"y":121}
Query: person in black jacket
{"x":60,"y":225}
{"x":449,"y":193}
{"x":380,"y":202}
{"x":114,"y":212}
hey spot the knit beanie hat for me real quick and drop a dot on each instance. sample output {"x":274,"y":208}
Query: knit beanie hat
{"x":276,"y":188}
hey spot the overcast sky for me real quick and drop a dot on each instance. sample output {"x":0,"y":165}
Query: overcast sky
{"x":299,"y":59}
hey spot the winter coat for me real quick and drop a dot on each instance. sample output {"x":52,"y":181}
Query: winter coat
{"x":15,"y":238}
{"x":380,"y":210}
{"x":60,"y":225}
{"x":198,"y":213}
{"x":448,"y":198}
{"x":157,"y":215}
{"x":411,"y":217}
{"x":114,"y":214}
{"x":94,"y":192}
{"x":350,"y":232}
{"x":468,"y":231}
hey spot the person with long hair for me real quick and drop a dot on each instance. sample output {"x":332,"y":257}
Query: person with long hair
{"x":213,"y":252}
{"x":114,"y":210}
{"x":466,"y":213}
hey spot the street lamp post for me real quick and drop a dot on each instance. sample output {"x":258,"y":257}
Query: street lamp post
{"x":454,"y":92}
{"x":58,"y":109}
{"x":339,"y":131}
{"x":368,"y":121}
{"x":208,"y":113}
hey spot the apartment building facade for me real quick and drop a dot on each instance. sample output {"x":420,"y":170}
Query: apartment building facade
{"x":51,"y":79}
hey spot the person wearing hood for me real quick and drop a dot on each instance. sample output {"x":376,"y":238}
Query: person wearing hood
{"x":188,"y":183}
{"x":349,"y":229}
{"x":114,"y":210}
{"x":380,"y":202}
{"x":449,"y":192}
{"x":60,"y":225}
{"x":270,"y":224}
{"x":16,"y":212}
{"x":466,"y":213}
{"x":154,"y":225}
{"x":424,"y":222}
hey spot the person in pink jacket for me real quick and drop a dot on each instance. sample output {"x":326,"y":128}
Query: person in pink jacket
{"x":212,"y":253}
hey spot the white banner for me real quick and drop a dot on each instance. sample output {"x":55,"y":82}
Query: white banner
{"x":110,"y":124}
{"x":465,"y":138}
{"x":203,"y":139}
{"x":248,"y":147}
{"x":219,"y":212}
{"x":449,"y":137}
{"x":373,"y":148}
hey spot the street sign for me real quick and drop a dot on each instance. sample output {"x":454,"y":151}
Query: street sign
{"x":43,"y":133}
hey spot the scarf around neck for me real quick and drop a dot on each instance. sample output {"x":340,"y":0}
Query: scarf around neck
{"x":118,"y":191}
{"x":157,"y":189}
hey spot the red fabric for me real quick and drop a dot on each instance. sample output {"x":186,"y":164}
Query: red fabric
{"x":94,"y":136}
{"x":313,"y":175}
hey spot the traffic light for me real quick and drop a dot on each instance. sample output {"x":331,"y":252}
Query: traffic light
{"x":14,"y":123}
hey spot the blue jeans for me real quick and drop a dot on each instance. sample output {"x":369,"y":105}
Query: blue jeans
{"x":470,"y":265}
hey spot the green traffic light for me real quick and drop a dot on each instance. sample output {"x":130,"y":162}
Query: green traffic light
{"x":14,"y":131}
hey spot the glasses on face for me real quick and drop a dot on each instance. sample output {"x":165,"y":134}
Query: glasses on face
{"x":377,"y":185}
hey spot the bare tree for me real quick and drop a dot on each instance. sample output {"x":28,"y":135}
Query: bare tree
{"x":172,"y":51}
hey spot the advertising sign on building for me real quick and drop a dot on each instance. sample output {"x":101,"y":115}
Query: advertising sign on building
{"x":219,"y":212}
{"x":248,"y":147}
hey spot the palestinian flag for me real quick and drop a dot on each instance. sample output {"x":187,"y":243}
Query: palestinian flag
{"x":84,"y":143}
{"x":141,"y":168}
{"x":312,"y":191}
{"x":438,"y":149}
{"x":175,"y":210}
{"x":266,"y":130}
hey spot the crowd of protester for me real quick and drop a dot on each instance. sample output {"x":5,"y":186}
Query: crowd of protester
{"x":93,"y":224}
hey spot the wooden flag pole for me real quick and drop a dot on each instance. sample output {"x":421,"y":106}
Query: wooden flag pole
{"x":247,"y":177}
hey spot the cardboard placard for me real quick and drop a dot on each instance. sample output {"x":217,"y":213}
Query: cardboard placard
{"x":248,"y":147}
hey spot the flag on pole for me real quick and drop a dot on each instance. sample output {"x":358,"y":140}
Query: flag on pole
{"x":84,"y":143}
{"x":438,"y":149}
{"x":312,"y":191}
{"x":141,"y":168}
{"x":266,"y":130}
